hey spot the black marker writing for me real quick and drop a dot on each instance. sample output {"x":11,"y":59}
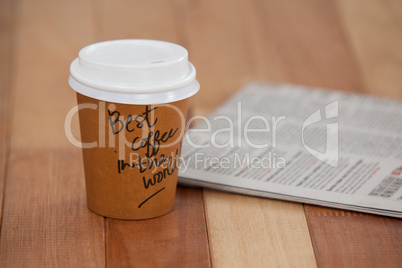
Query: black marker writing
{"x":117,"y":124}
{"x":153,"y":141}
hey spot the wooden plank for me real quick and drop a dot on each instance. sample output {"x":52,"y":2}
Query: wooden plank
{"x":374,"y":31}
{"x":45,"y":219}
{"x":350,"y":239}
{"x":309,"y":45}
{"x":125,"y":19}
{"x":343,"y":238}
{"x":256,"y":232}
{"x":6,"y":26}
{"x":47,"y":37}
{"x":226,"y":46}
{"x":179,"y":238}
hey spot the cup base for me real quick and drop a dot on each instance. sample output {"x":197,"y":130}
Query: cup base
{"x":133,"y":218}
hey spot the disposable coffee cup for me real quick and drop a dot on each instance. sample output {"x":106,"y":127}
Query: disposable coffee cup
{"x":132,"y":100}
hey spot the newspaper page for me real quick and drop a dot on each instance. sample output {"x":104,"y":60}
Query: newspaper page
{"x":301,"y":144}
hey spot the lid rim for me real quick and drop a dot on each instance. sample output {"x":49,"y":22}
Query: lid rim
{"x":135,"y":71}
{"x":131,"y":87}
{"x":141,"y":98}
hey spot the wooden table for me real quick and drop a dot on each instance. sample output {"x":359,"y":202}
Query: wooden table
{"x":353,"y":46}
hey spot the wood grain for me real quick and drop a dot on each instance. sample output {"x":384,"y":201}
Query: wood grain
{"x":309,"y":46}
{"x":321,"y":46}
{"x":45,"y":219}
{"x":343,"y":238}
{"x":374,"y":31}
{"x":6,"y":26}
{"x":348,"y":45}
{"x":179,"y":238}
{"x":47,"y":40}
{"x":351,"y":239}
{"x":226,"y":48}
{"x":125,"y":19}
{"x":256,"y":232}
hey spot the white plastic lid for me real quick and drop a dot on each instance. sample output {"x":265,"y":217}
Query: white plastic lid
{"x":134,"y":71}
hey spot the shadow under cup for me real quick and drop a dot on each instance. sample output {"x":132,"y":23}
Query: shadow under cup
{"x":131,"y":156}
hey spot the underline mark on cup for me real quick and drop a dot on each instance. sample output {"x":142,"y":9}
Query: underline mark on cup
{"x":151,"y":197}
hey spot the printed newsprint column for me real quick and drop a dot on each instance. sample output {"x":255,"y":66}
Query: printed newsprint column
{"x":301,"y":144}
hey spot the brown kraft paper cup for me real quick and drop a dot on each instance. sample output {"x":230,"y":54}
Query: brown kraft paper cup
{"x":120,"y":181}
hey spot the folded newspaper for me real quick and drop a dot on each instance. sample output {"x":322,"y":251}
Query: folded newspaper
{"x":301,"y":144}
